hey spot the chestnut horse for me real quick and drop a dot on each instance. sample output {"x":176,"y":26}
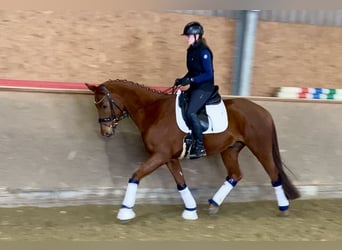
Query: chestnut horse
{"x":153,"y":112}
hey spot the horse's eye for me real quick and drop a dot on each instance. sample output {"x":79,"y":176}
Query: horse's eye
{"x":104,"y":106}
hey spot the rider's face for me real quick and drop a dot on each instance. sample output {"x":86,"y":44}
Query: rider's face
{"x":191,"y":39}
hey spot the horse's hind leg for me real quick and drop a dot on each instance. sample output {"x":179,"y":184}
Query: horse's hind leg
{"x":265,"y":155}
{"x":230,"y":160}
{"x":190,"y":207}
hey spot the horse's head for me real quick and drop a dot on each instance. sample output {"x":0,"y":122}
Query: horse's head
{"x":109,"y":109}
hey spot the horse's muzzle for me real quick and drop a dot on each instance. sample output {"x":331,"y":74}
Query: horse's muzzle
{"x":107,"y":131}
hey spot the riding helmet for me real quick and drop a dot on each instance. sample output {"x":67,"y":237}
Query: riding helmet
{"x":193,"y":28}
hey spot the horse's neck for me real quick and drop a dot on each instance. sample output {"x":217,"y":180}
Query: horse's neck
{"x":137,"y":98}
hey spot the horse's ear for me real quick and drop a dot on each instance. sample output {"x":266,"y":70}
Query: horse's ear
{"x":91,"y":87}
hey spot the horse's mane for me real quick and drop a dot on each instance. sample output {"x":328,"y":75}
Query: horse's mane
{"x":127,"y":82}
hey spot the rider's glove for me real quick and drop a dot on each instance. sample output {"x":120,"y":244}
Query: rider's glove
{"x":186,"y":81}
{"x":183,"y":81}
{"x":178,"y":82}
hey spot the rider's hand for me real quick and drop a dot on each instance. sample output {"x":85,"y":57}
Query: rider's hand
{"x":178,"y":82}
{"x":185,"y":81}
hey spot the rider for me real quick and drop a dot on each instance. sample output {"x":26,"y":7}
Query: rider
{"x":200,"y":77}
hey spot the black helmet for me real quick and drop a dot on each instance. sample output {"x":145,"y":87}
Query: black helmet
{"x":193,"y":28}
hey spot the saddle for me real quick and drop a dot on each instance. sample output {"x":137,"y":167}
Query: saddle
{"x":183,"y":102}
{"x":213,"y":117}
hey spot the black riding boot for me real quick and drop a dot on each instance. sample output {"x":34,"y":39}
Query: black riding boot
{"x":197,"y":149}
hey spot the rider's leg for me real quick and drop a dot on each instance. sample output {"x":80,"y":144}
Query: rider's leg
{"x":198,"y":99}
{"x":197,"y":150}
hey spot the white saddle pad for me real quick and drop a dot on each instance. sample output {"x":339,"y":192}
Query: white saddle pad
{"x":217,"y":114}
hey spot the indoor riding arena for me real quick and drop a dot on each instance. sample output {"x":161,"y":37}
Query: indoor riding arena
{"x":61,"y":180}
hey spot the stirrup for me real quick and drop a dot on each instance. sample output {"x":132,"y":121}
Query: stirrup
{"x":196,"y":156}
{"x":197,"y":153}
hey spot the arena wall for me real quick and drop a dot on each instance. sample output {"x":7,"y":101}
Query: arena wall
{"x":52,"y":154}
{"x":145,"y":46}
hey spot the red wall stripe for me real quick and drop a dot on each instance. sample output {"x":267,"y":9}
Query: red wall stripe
{"x":50,"y":85}
{"x":41,"y":84}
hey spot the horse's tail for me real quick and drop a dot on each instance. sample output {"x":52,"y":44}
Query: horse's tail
{"x":290,"y":190}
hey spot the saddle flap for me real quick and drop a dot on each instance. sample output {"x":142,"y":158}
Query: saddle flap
{"x":216,"y":116}
{"x":183,"y":103}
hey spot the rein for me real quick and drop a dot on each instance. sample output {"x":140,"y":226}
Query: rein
{"x":123,"y":113}
{"x":113,"y":117}
{"x":171,"y":89}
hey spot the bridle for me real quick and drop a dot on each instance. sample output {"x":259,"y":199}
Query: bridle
{"x":113,"y":118}
{"x":123,"y":113}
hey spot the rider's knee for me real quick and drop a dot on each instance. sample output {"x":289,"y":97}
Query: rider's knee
{"x":192,"y":115}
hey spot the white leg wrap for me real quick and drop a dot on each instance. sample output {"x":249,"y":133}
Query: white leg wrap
{"x":188,"y":199}
{"x":190,"y":211}
{"x":125,"y":214}
{"x":283,"y":202}
{"x":130,"y":196}
{"x":190,"y":215}
{"x":126,"y":211}
{"x":222,"y":193}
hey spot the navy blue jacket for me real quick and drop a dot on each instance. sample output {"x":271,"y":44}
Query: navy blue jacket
{"x":200,"y":66}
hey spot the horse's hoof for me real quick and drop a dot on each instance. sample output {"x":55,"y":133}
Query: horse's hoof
{"x":284,"y":213}
{"x":213,"y":210}
{"x":125,"y":214}
{"x":190,"y":215}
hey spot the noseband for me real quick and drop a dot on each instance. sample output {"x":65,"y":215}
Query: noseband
{"x":113,"y":117}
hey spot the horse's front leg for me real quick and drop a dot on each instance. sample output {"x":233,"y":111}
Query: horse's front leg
{"x":152,"y":163}
{"x":190,"y":210}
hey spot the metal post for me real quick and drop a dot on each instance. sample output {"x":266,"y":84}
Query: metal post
{"x":238,"y":48}
{"x":244,"y":50}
